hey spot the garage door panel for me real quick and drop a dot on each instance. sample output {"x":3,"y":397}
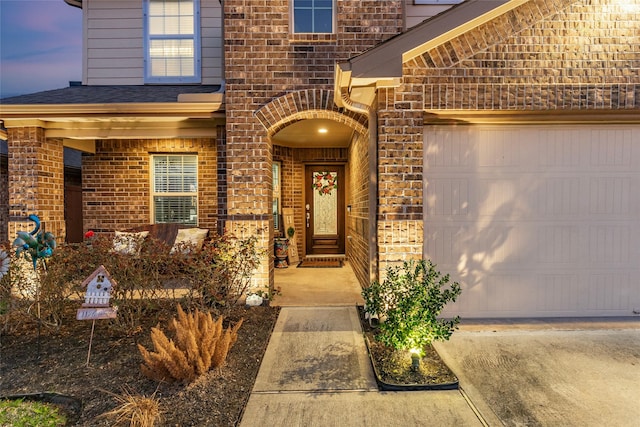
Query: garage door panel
{"x":557,"y":293}
{"x":557,"y":196}
{"x":535,"y":221}
{"x":610,"y":245}
{"x":609,"y":291}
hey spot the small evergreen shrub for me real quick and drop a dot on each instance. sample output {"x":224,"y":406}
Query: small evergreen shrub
{"x":409,"y":301}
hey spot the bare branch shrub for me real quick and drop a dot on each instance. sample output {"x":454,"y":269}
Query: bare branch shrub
{"x":213,"y":278}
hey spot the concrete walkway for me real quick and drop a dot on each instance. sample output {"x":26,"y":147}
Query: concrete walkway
{"x":313,"y":287}
{"x":316,"y":372}
{"x":581,"y":372}
{"x":512,"y":372}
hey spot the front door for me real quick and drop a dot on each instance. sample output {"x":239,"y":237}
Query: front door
{"x":324,"y":209}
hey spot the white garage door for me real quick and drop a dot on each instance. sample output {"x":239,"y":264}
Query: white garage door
{"x":535,"y":220}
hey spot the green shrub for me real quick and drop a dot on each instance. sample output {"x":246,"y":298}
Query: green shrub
{"x":408,"y":302}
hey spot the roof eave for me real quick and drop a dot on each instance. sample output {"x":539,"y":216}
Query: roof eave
{"x":156,"y":109}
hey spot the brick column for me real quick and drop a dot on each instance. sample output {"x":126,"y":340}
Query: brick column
{"x":400,"y":176}
{"x":36,"y":181}
{"x":4,"y":199}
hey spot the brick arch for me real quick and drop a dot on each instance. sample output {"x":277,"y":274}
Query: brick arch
{"x":306,"y":104}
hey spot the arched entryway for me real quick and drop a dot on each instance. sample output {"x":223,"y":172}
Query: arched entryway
{"x":320,"y":158}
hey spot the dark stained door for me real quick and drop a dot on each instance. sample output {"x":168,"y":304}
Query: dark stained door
{"x":73,"y":213}
{"x":324,"y":209}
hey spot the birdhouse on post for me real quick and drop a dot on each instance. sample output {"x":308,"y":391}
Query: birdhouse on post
{"x":97,"y":296}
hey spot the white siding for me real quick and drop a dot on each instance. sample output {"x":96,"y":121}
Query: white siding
{"x":114,"y":42}
{"x":535,"y":221}
{"x":211,"y":35}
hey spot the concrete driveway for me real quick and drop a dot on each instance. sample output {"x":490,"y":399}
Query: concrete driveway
{"x":583,"y":373}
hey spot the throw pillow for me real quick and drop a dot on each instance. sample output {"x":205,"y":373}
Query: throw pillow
{"x":129,"y":243}
{"x":188,"y":238}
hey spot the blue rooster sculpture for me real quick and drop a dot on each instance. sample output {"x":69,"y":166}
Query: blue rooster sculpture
{"x":36,"y":244}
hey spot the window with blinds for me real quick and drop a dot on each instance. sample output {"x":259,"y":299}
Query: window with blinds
{"x":175,"y":189}
{"x":172,"y":41}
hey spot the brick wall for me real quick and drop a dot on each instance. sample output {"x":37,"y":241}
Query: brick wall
{"x":265,"y":61}
{"x":36,"y":181}
{"x":400,"y":166}
{"x":116,"y":182}
{"x":358,"y":224}
{"x":290,"y":186}
{"x":544,"y":54}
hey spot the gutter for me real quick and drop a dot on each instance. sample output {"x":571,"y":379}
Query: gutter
{"x":343,"y":98}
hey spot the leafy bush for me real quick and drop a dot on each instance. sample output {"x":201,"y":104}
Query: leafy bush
{"x":200,"y":344}
{"x":409,"y":301}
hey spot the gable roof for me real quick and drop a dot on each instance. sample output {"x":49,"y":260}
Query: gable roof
{"x":385,"y":60}
{"x":77,"y":94}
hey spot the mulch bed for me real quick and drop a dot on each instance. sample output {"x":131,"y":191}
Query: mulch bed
{"x":215,"y":399}
{"x":393,"y":367}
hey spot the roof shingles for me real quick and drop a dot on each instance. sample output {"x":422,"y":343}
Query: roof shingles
{"x":109,"y":94}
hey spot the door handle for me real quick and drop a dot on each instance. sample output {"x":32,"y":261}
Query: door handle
{"x":308,"y":218}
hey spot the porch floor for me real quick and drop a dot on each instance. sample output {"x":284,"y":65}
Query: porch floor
{"x":317,"y":287}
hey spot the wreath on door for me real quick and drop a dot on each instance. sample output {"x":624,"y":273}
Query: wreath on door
{"x":324,"y":182}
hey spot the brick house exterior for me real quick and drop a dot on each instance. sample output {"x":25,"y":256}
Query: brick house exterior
{"x":416,"y":102}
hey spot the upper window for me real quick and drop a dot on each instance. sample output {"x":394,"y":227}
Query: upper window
{"x":175,"y":188}
{"x":313,"y":16}
{"x":172,"y":41}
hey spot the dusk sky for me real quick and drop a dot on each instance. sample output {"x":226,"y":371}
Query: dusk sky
{"x":40,"y":46}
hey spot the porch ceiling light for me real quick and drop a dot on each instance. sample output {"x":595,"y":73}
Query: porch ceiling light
{"x":322,"y":130}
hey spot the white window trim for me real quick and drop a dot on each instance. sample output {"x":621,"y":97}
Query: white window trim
{"x":154,"y":194}
{"x":334,"y":20}
{"x":197,"y":77}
